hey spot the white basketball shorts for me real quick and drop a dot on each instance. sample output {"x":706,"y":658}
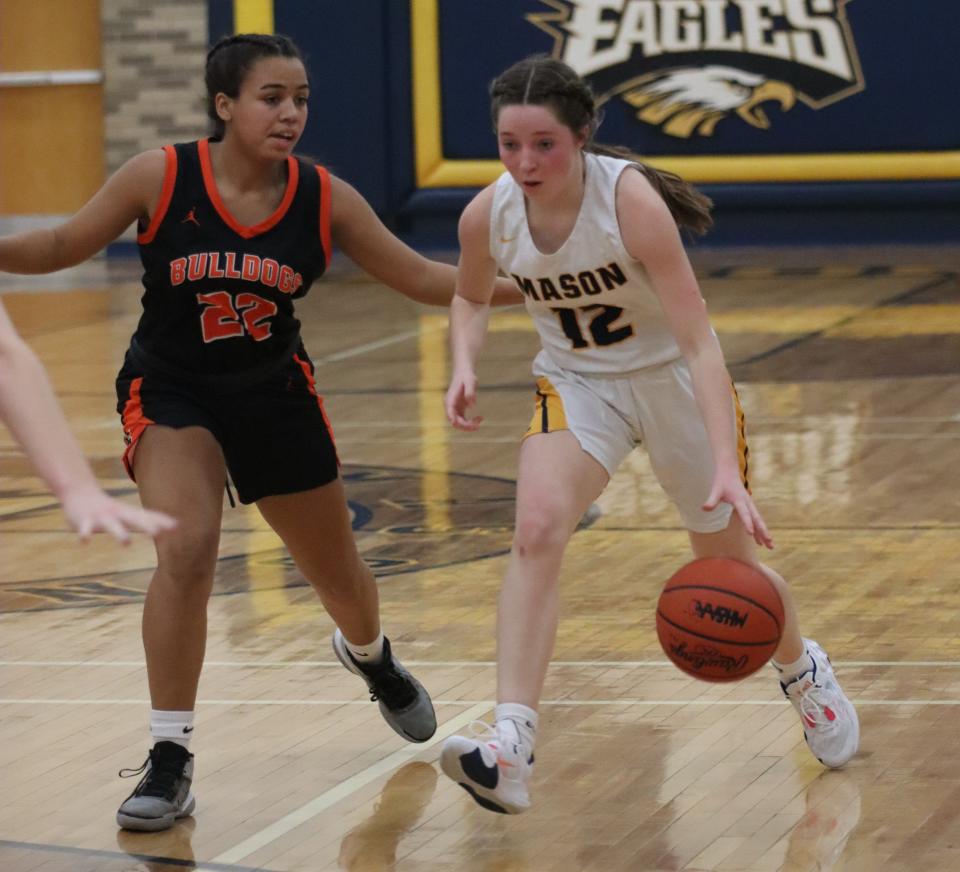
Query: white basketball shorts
{"x":654,"y":408}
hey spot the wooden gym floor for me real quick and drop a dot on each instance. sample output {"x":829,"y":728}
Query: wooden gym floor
{"x":847,"y":364}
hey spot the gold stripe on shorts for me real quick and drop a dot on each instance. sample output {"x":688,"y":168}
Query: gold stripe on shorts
{"x":743,"y":450}
{"x":548,"y":414}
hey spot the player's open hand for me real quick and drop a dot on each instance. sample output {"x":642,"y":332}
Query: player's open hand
{"x":461,"y":397}
{"x":90,"y":510}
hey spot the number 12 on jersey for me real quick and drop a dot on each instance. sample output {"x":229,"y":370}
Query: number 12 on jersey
{"x":600,"y":326}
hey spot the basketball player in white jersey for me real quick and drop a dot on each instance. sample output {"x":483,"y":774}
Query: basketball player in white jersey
{"x":590,"y":235}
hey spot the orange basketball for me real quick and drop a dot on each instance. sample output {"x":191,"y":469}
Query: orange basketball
{"x":719,"y":619}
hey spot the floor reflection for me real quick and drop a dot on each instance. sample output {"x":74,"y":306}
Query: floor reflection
{"x":833,"y":812}
{"x":167,"y":851}
{"x":372,"y":846}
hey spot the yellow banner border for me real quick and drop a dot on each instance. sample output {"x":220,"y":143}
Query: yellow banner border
{"x":433,"y":170}
{"x":253,"y":16}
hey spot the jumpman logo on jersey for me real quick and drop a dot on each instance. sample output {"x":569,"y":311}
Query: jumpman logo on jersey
{"x":191,"y":217}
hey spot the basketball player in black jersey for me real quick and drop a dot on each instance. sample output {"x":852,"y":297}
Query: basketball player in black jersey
{"x":30,"y":410}
{"x":232,"y":229}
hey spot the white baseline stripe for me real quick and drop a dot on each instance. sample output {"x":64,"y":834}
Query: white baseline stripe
{"x":497,"y":440}
{"x":345,"y":788}
{"x":427,"y":440}
{"x":486,"y":703}
{"x":623,"y":664}
{"x":368,"y":346}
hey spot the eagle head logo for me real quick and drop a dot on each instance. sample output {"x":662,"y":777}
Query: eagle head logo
{"x":692,"y":100}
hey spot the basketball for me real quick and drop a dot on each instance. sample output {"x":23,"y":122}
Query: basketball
{"x":719,"y":619}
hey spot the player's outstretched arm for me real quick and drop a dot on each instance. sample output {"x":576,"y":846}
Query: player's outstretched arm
{"x":30,"y":409}
{"x":470,"y":309}
{"x":128,"y":195}
{"x":362,"y":237}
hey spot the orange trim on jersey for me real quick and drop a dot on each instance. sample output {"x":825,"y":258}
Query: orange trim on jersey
{"x":312,"y":387}
{"x":325,"y":214}
{"x":743,"y":451}
{"x":166,"y":195}
{"x":210,"y":183}
{"x":134,"y":424}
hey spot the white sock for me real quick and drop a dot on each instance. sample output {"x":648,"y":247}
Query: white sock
{"x":169,"y":726}
{"x":790,"y":671}
{"x":372,"y":653}
{"x":518,"y":722}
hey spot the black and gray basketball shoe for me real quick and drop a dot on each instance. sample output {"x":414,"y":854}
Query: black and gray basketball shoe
{"x":404,"y":703}
{"x":163,"y":794}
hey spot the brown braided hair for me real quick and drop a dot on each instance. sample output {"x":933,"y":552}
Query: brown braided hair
{"x":541,"y":80}
{"x":231,"y":58}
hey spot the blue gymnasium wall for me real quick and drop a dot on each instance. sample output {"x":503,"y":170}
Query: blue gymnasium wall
{"x":855,"y":134}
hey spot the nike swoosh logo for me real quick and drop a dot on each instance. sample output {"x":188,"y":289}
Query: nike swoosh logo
{"x":188,"y":729}
{"x":476,"y":769}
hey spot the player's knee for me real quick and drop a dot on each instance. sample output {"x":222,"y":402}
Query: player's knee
{"x":540,"y":532}
{"x":188,"y":557}
{"x":776,"y":579}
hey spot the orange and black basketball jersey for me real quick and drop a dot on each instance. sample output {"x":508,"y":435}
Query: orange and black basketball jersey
{"x":218,"y":301}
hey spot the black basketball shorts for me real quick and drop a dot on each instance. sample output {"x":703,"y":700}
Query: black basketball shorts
{"x":275,"y":435}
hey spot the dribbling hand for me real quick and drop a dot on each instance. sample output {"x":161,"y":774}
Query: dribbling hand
{"x":735,"y":493}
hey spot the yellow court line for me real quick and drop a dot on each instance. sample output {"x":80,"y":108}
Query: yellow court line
{"x":752,"y":272}
{"x":838,"y":272}
{"x":894,"y":321}
{"x":782,"y":319}
{"x":19,"y":505}
{"x":907,"y":270}
{"x":435,"y":171}
{"x":508,"y":322}
{"x":269,"y":599}
{"x":887,"y":322}
{"x":772,"y":320}
{"x":435,"y":444}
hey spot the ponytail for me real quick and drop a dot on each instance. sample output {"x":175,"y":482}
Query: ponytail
{"x":689,"y":208}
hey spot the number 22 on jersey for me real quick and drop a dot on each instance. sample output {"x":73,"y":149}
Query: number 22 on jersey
{"x":223,"y":317}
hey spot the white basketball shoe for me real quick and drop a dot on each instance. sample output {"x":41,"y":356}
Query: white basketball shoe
{"x":829,"y":719}
{"x":492,"y":766}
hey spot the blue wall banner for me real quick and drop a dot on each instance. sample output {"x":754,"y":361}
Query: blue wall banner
{"x":716,"y":90}
{"x":802,"y":119}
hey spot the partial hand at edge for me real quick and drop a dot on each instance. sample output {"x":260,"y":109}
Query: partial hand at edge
{"x":91,"y":510}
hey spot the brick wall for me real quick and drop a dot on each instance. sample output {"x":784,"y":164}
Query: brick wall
{"x":153,"y":60}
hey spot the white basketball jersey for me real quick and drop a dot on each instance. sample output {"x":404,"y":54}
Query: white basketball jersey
{"x":591,"y":302}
